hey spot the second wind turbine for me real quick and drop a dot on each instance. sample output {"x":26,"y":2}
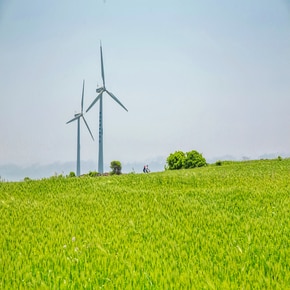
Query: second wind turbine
{"x":78,"y":117}
{"x":100,"y":92}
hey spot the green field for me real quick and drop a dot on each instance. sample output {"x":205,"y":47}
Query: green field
{"x":217,"y":227}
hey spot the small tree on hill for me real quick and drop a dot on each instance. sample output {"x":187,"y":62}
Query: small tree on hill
{"x":93,"y":173}
{"x":194,"y":159}
{"x":116,"y":167}
{"x":175,"y":160}
{"x":72,"y":174}
{"x":179,"y":160}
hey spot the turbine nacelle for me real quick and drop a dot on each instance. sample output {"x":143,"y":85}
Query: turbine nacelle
{"x":98,"y":90}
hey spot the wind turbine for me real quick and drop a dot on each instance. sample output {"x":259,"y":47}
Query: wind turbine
{"x":78,"y":117}
{"x":100,"y":92}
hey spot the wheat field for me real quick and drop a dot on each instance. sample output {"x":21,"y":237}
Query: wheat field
{"x":217,"y":227}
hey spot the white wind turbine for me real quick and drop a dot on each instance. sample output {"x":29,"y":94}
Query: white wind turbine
{"x":78,"y":117}
{"x":100,"y":92}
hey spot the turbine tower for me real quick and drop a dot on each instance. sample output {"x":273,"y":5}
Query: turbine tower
{"x":100,"y":92}
{"x":78,"y":117}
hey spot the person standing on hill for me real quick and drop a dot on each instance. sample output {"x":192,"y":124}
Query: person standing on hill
{"x":146,"y":169}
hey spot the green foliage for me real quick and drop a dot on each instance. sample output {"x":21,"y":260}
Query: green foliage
{"x":175,"y":160}
{"x":216,"y":227}
{"x":194,"y":159}
{"x":72,"y":174}
{"x":280,"y":158}
{"x":116,"y":167}
{"x":56,"y":176}
{"x":179,"y":160}
{"x":218,"y":163}
{"x":93,"y":174}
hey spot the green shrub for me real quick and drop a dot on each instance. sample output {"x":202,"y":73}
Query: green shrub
{"x":175,"y":160}
{"x":179,"y":160}
{"x":93,"y":173}
{"x":218,"y":163}
{"x":72,"y":174}
{"x":194,"y":159}
{"x":116,"y":167}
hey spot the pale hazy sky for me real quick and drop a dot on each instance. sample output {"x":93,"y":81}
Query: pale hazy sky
{"x":212,"y":76}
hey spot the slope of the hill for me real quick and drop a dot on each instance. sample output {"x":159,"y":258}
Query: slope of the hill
{"x":218,"y":227}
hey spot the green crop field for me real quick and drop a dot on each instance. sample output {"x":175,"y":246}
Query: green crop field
{"x":216,"y":227}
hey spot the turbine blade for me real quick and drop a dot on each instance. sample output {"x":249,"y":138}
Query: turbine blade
{"x":102,"y":65}
{"x":88,"y":127}
{"x":75,"y":118}
{"x":96,"y":99}
{"x":82,"y":106}
{"x":115,"y":98}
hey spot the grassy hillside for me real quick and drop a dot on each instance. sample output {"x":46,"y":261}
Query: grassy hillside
{"x":219,"y":227}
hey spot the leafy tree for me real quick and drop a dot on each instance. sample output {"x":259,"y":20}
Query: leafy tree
{"x":93,"y":173}
{"x":175,"y":160}
{"x":194,"y":159}
{"x":116,"y":167}
{"x":72,"y":174}
{"x":218,"y":163}
{"x":179,"y":160}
